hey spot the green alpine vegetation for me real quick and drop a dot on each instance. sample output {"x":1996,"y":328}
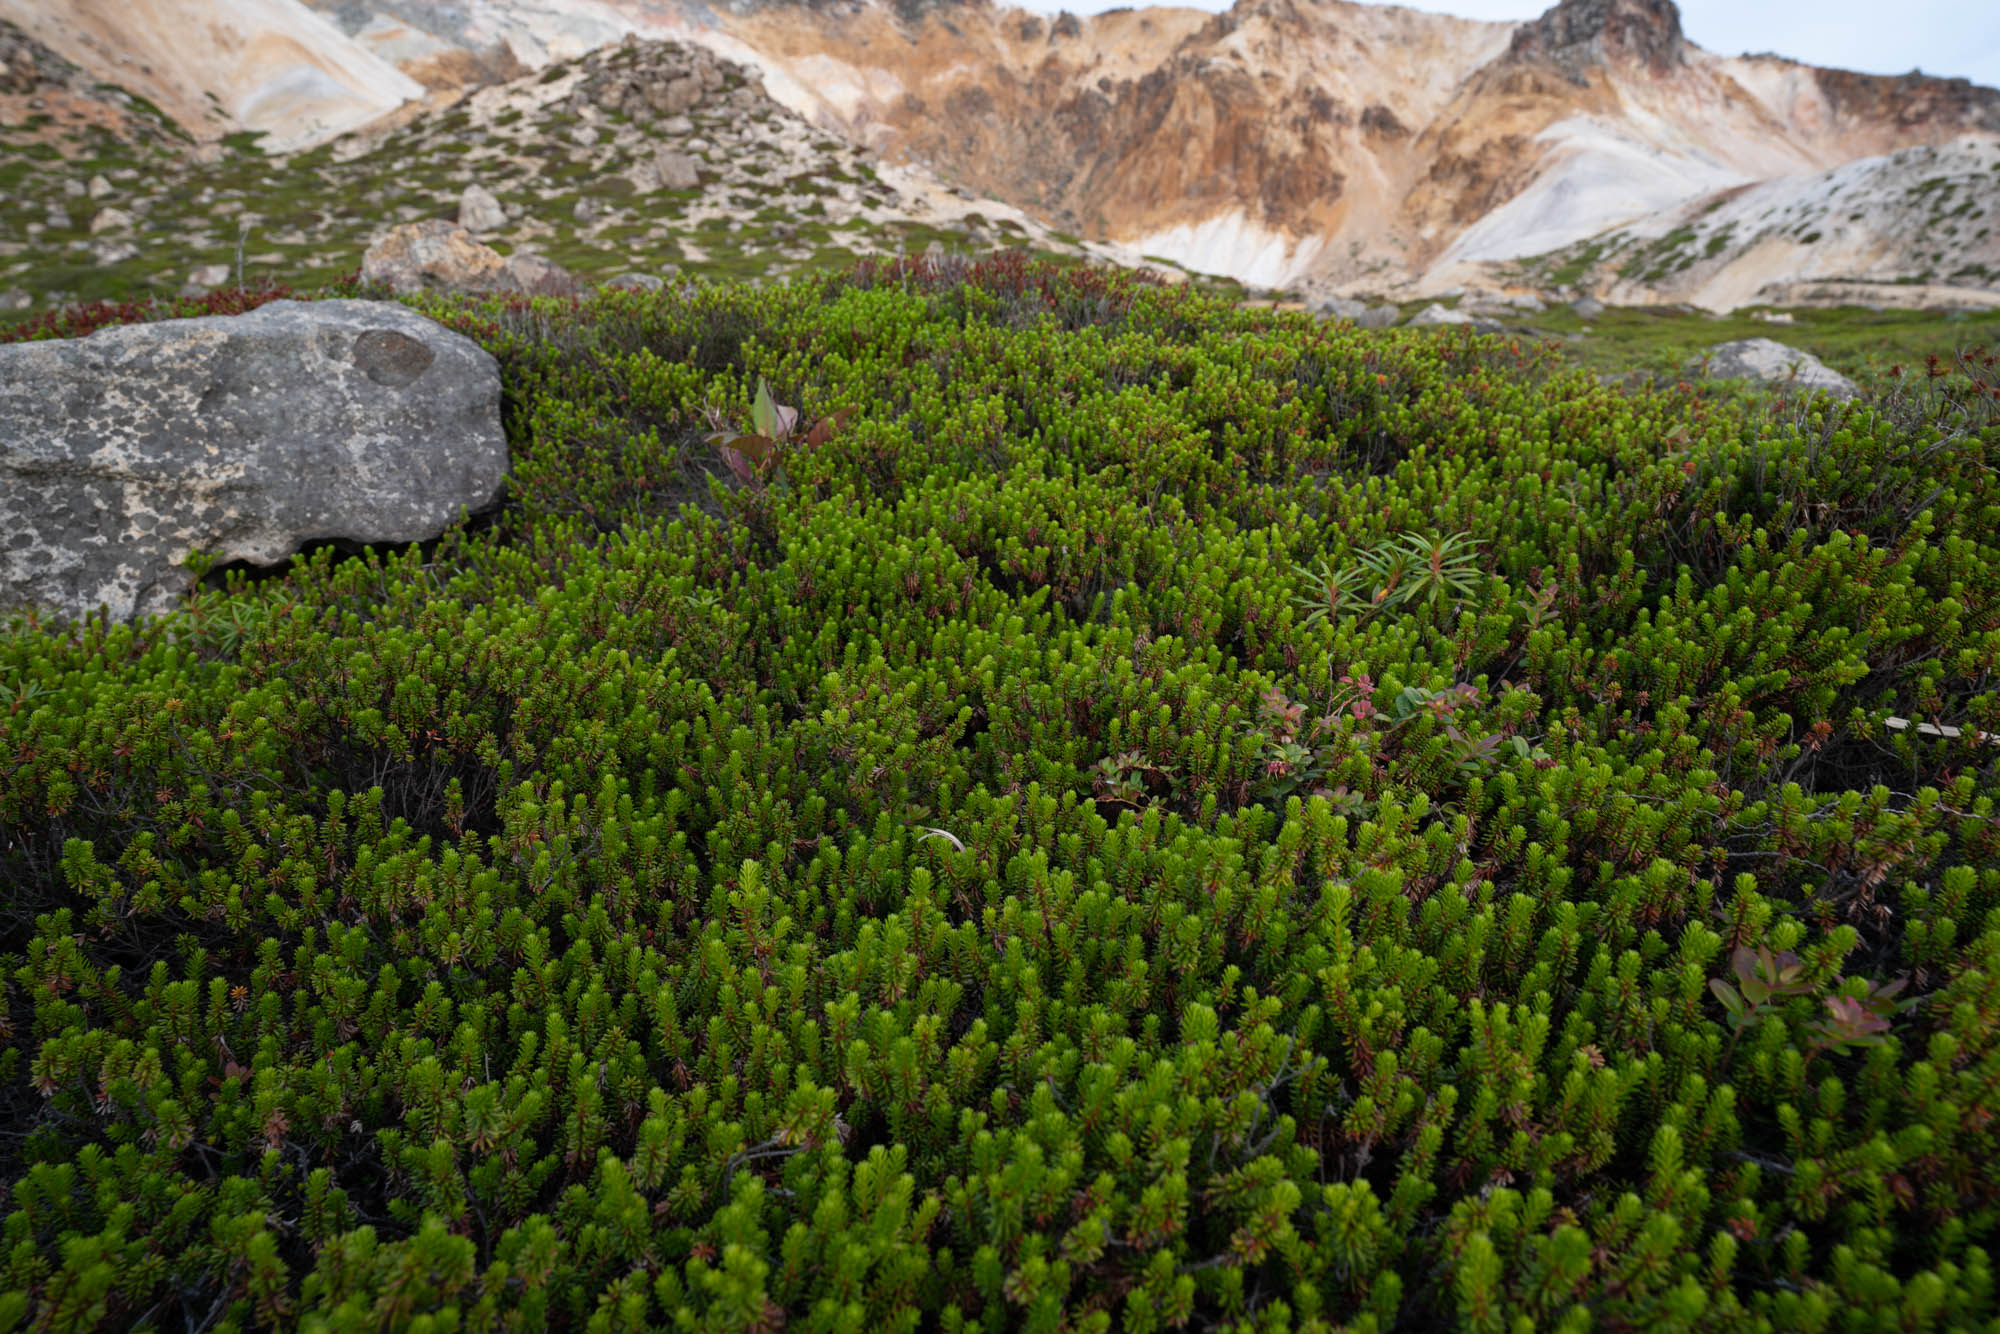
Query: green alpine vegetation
{"x":993,"y":797}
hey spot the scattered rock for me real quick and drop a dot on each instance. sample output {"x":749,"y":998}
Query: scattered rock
{"x":15,"y":299}
{"x":675,"y":171}
{"x":110,"y":219}
{"x":1771,"y":362}
{"x":103,"y":253}
{"x":637,"y":282}
{"x":677,"y":125}
{"x":241,"y":437}
{"x":205,"y":155}
{"x":1337,"y":308}
{"x":1437,"y":314}
{"x":1378,"y":317}
{"x":480,"y":211}
{"x":586,"y":210}
{"x":1499,"y":306}
{"x":1587,"y":307}
{"x":1772,"y":316}
{"x":539,"y":276}
{"x":435,"y":255}
{"x":205,"y":279}
{"x":100,"y":188}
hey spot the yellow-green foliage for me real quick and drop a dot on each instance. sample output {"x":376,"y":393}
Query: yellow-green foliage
{"x":1160,"y":816}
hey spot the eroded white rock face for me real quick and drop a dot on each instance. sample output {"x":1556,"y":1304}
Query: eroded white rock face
{"x":1772,"y":362}
{"x":242,"y":437}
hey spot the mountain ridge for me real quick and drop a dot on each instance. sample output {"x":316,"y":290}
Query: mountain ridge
{"x":1310,"y":144}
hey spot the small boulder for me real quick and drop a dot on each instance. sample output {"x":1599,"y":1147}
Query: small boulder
{"x":204,"y":279}
{"x":1770,"y":362}
{"x":676,"y":171}
{"x":435,"y":255}
{"x":536,"y":275}
{"x":1378,"y":317}
{"x":241,"y":437}
{"x":1337,"y":308}
{"x":586,"y":210}
{"x":1437,"y":314}
{"x":110,"y":219}
{"x":637,"y":282}
{"x":1587,"y":307}
{"x":480,"y":211}
{"x":101,"y":188}
{"x":681,"y":95}
{"x":111,"y":251}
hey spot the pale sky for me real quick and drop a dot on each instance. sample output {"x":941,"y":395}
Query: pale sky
{"x":1947,"y":37}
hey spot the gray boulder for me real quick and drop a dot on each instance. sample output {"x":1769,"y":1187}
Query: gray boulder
{"x":1378,"y":317}
{"x":241,"y":437}
{"x":637,"y":282}
{"x":1587,"y":307}
{"x":676,"y":171}
{"x":1338,"y":308}
{"x":480,"y":211}
{"x":1771,"y":362}
{"x":1437,"y":314}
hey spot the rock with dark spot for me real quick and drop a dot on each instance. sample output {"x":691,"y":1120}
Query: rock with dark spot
{"x":242,"y":437}
{"x":392,"y":358}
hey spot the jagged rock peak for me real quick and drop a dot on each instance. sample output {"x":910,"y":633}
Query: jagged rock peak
{"x":1579,"y":34}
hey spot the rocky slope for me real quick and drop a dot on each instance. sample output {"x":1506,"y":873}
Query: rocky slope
{"x":648,"y":156}
{"x":1313,"y":144}
{"x":1918,"y":224}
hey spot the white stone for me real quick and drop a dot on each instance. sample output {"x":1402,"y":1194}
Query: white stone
{"x":1770,"y":362}
{"x":479,"y":210}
